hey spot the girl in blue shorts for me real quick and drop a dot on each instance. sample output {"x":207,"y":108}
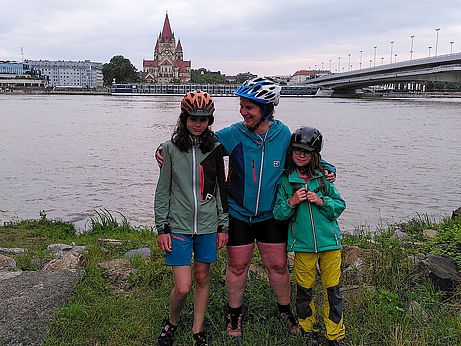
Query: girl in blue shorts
{"x":191,"y":210}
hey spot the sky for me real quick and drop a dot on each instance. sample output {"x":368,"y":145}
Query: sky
{"x":264,"y":37}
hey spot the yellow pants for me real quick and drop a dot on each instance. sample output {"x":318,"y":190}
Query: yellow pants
{"x":305,"y":273}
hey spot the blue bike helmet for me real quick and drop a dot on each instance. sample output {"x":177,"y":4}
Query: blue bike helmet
{"x":260,"y":90}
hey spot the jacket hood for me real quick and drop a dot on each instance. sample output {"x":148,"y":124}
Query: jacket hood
{"x":274,"y":129}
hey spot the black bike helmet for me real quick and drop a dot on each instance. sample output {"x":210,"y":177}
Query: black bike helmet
{"x":307,"y":138}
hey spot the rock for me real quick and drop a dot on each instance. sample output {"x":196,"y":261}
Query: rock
{"x":58,"y":249}
{"x":117,"y":271}
{"x":429,"y":233}
{"x":399,"y":234}
{"x":456,"y":213}
{"x":7,"y":263}
{"x":143,"y":252}
{"x":111,"y":241}
{"x":28,"y":302}
{"x":11,"y":251}
{"x":70,"y":260}
{"x":442,"y":271}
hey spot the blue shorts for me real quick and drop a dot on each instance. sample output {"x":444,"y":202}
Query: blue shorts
{"x":182,"y":245}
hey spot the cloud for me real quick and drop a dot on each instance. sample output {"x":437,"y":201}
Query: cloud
{"x":264,"y":37}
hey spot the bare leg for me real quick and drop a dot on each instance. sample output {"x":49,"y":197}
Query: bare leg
{"x":238,"y":262}
{"x":201,"y":293}
{"x":274,"y":257}
{"x":183,"y":282}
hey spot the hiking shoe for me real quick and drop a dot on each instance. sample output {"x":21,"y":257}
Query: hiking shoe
{"x":290,"y":320}
{"x":311,"y":338}
{"x":234,"y":330}
{"x":200,"y":339}
{"x":166,"y":336}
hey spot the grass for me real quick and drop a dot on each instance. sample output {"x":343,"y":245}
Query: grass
{"x":387,"y":308}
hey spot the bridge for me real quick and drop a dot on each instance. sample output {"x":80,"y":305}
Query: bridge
{"x":442,"y":68}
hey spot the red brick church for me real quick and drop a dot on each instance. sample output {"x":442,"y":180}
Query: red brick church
{"x":168,"y":65}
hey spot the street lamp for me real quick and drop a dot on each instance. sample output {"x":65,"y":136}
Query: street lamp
{"x":339,"y":64}
{"x":361,"y":52}
{"x":349,"y":61}
{"x":330,"y":65}
{"x":437,"y":40}
{"x":382,"y":61}
{"x":395,"y":61}
{"x":392,"y":46}
{"x":371,"y":62}
{"x":451,"y":46}
{"x":374,"y":60}
{"x":411,"y":47}
{"x":429,"y":51}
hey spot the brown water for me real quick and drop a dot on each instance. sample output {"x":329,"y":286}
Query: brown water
{"x":69,"y":155}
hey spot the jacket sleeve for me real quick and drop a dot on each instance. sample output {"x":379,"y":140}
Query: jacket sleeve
{"x":163,"y":193}
{"x":328,"y":166}
{"x":333,"y":204}
{"x":282,"y":210}
{"x":221,"y":193}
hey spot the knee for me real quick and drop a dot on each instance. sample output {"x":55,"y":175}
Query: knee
{"x":201,"y":279}
{"x":277,"y":268}
{"x":183,"y":290}
{"x":237,"y":269}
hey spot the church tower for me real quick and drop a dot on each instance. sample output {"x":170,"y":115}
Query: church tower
{"x":168,"y":65}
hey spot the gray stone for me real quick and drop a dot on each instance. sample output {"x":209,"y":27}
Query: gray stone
{"x":398,"y":233}
{"x":429,"y":233}
{"x":143,"y":252}
{"x":28,"y":303}
{"x":442,"y":271}
{"x":7,"y":263}
{"x":11,"y":251}
{"x":59,"y":250}
{"x":456,"y":213}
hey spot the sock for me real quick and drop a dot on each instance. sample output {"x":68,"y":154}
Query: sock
{"x":284,"y":308}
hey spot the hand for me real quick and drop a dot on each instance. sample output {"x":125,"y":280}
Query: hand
{"x":221,"y":240}
{"x":313,"y":198}
{"x":164,"y":242}
{"x":298,"y":197}
{"x":158,"y":156}
{"x":331,"y":177}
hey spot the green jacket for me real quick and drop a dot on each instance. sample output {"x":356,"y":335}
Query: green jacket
{"x":190,"y":197}
{"x":312,"y":228}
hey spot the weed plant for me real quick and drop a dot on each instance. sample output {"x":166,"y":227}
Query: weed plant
{"x":387,"y":308}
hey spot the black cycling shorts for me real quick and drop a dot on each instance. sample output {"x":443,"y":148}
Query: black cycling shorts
{"x":268,"y":231}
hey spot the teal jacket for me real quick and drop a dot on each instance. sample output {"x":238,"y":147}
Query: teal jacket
{"x":190,"y":197}
{"x":312,"y":228}
{"x":255,"y":166}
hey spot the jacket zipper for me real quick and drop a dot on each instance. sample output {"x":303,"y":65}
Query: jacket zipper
{"x":260,"y":171}
{"x":194,"y":189}
{"x":313,"y":227}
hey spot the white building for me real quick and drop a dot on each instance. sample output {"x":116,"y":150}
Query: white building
{"x":77,"y":74}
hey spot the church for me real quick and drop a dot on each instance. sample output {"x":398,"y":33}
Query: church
{"x":168,"y":65}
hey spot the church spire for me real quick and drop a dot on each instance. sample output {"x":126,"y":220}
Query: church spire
{"x":166,"y":32}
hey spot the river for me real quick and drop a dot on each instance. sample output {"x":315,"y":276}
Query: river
{"x":72,"y":154}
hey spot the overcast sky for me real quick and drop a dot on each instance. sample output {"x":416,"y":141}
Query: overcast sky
{"x":265,"y":37}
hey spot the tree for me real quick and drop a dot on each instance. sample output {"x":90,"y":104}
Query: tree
{"x":204,"y":76}
{"x":120,"y":69}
